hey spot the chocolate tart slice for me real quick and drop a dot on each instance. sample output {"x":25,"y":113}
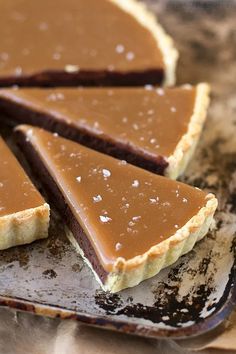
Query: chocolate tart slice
{"x":126,"y":222}
{"x":87,"y":42}
{"x":154,"y":128}
{"x":24,"y":215}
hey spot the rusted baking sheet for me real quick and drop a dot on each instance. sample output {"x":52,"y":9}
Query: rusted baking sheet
{"x":196,"y":294}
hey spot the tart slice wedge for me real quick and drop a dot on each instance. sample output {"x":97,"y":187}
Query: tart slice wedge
{"x":87,"y":42}
{"x":157,"y":129}
{"x":24,"y":215}
{"x":126,"y":222}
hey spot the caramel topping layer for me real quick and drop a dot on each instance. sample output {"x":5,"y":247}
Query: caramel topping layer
{"x":123,"y":210}
{"x":148,"y":121}
{"x":73,"y":35}
{"x":17,"y":193}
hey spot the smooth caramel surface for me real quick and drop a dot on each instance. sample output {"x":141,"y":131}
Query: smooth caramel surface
{"x":17,"y":193}
{"x":124,"y":210}
{"x":146,"y":120}
{"x":73,"y":35}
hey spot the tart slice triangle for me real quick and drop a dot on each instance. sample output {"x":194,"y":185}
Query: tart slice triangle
{"x":157,"y":129}
{"x":87,"y":42}
{"x":24,"y":215}
{"x":127,"y":222}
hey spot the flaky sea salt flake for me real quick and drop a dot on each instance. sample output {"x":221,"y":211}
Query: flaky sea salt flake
{"x":160,"y":91}
{"x":135,"y":183}
{"x":104,"y":218}
{"x":71,"y":68}
{"x":120,"y":48}
{"x":118,"y":246}
{"x":130,"y":56}
{"x":106,"y":173}
{"x":97,"y":198}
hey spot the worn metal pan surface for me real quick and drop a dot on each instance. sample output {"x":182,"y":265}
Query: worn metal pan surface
{"x":198,"y":292}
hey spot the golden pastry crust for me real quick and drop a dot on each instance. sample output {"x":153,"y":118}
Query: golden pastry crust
{"x":24,"y":226}
{"x":164,"y":42}
{"x":183,"y":153}
{"x":129,"y":273}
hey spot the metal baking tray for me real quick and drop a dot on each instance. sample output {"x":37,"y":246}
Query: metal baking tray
{"x":197,"y":293}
